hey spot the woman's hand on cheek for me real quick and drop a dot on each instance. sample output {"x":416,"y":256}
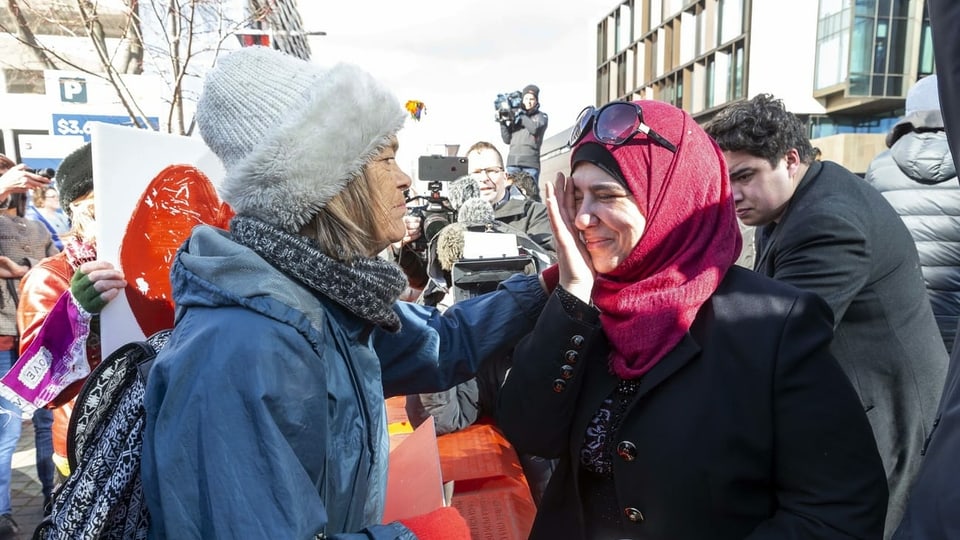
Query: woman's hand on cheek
{"x":576,"y":271}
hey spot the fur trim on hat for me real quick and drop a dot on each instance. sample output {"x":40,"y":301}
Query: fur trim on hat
{"x":75,"y":177}
{"x":319,"y":131}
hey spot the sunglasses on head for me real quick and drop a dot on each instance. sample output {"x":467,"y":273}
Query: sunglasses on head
{"x":615,"y":123}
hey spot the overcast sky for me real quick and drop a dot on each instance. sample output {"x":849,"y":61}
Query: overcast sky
{"x":456,"y":56}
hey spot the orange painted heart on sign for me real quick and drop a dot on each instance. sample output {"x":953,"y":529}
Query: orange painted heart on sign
{"x":179,"y":198}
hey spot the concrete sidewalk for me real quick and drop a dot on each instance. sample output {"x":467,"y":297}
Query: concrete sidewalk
{"x":25,"y":492}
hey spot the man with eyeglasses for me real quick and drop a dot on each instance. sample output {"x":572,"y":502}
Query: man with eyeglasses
{"x":485,"y":164}
{"x":823,"y":229}
{"x":524,"y":133}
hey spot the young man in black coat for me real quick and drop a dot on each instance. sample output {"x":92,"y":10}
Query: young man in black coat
{"x":823,"y":229}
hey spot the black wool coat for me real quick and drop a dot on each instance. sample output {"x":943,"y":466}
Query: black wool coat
{"x":748,"y":428}
{"x":841,"y":239}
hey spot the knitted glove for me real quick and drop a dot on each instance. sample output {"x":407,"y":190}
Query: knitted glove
{"x":83,"y":291}
{"x":441,"y":524}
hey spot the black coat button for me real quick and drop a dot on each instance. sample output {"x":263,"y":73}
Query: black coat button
{"x":559,"y":385}
{"x":571,"y":356}
{"x":633,"y":514}
{"x":577,"y":342}
{"x":566,"y":371}
{"x":627,"y":450}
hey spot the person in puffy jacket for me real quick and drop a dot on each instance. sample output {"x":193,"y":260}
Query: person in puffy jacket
{"x":265,"y":413}
{"x":918,"y":177}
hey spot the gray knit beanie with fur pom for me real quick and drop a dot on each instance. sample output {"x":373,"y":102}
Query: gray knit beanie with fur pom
{"x":291,"y":134}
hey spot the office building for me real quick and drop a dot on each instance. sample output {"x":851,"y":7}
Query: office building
{"x":844,"y":66}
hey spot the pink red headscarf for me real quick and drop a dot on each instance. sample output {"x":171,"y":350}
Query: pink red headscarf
{"x":650,"y":300}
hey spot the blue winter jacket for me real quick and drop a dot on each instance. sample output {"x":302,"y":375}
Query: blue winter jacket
{"x":265,"y":410}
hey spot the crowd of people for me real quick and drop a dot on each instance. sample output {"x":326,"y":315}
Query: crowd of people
{"x":652,"y":387}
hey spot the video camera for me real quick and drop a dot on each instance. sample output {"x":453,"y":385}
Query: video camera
{"x":507,"y":106}
{"x":436,"y":211}
{"x":46,"y":173}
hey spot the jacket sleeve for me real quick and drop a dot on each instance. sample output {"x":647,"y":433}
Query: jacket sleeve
{"x":830,"y":482}
{"x":452,"y":410}
{"x":944,"y":19}
{"x":536,"y":124}
{"x":535,"y":417}
{"x":39,"y":291}
{"x":434,"y":351}
{"x":505,"y":133}
{"x":259,"y":424}
{"x":824,"y":253}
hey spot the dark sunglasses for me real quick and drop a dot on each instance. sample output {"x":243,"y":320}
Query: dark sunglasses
{"x":615,"y":123}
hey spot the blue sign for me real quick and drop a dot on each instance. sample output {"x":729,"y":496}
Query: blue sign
{"x":79,"y":124}
{"x":73,"y":90}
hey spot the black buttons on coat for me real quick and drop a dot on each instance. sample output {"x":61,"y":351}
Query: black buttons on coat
{"x":627,"y":450}
{"x":570,"y":358}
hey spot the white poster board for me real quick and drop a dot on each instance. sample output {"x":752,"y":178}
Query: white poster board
{"x":125,"y":162}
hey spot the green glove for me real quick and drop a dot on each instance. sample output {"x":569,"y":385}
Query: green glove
{"x":85,"y":294}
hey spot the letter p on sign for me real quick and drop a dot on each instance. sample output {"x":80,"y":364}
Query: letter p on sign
{"x":73,"y":90}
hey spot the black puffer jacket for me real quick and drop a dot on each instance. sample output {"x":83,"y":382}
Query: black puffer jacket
{"x":918,"y":177}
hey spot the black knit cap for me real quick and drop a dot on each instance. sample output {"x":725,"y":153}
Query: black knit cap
{"x":75,"y":176}
{"x":532,"y":89}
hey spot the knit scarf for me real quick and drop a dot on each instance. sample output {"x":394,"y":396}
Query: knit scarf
{"x":368,"y":287}
{"x":691,"y":238}
{"x":77,"y":251}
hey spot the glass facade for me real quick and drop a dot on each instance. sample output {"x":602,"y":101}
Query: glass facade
{"x":863,"y":44}
{"x":824,"y":126}
{"x":696,"y":53}
{"x":691,"y":53}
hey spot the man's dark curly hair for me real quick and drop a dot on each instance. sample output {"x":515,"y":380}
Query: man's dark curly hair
{"x":761,"y":127}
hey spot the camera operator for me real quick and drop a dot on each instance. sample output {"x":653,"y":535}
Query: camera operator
{"x":524,"y":133}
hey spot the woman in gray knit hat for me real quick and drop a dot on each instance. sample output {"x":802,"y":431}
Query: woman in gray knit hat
{"x":265,"y":411}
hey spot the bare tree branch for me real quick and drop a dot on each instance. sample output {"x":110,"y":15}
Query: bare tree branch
{"x":25,"y":35}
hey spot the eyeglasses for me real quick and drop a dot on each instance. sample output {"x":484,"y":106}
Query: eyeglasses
{"x":615,"y":123}
{"x":489,"y":172}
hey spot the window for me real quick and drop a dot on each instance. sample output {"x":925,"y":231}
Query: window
{"x":833,"y":43}
{"x":24,"y":81}
{"x":731,"y":19}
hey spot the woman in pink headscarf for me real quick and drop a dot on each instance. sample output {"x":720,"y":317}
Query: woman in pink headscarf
{"x":685,"y":397}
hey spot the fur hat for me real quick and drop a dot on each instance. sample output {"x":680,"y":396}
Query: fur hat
{"x":75,"y":177}
{"x":531,"y":89}
{"x":291,"y":134}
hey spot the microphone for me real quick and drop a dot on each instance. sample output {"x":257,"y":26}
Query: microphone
{"x":475,"y":210}
{"x":462,"y":189}
{"x":450,"y":244}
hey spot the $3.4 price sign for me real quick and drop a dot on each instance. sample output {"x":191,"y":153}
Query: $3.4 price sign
{"x":79,"y":124}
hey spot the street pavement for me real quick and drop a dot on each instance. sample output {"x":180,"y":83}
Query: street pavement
{"x":25,"y":490}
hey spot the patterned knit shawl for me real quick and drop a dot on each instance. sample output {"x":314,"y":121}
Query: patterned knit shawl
{"x":650,"y":300}
{"x":368,"y":288}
